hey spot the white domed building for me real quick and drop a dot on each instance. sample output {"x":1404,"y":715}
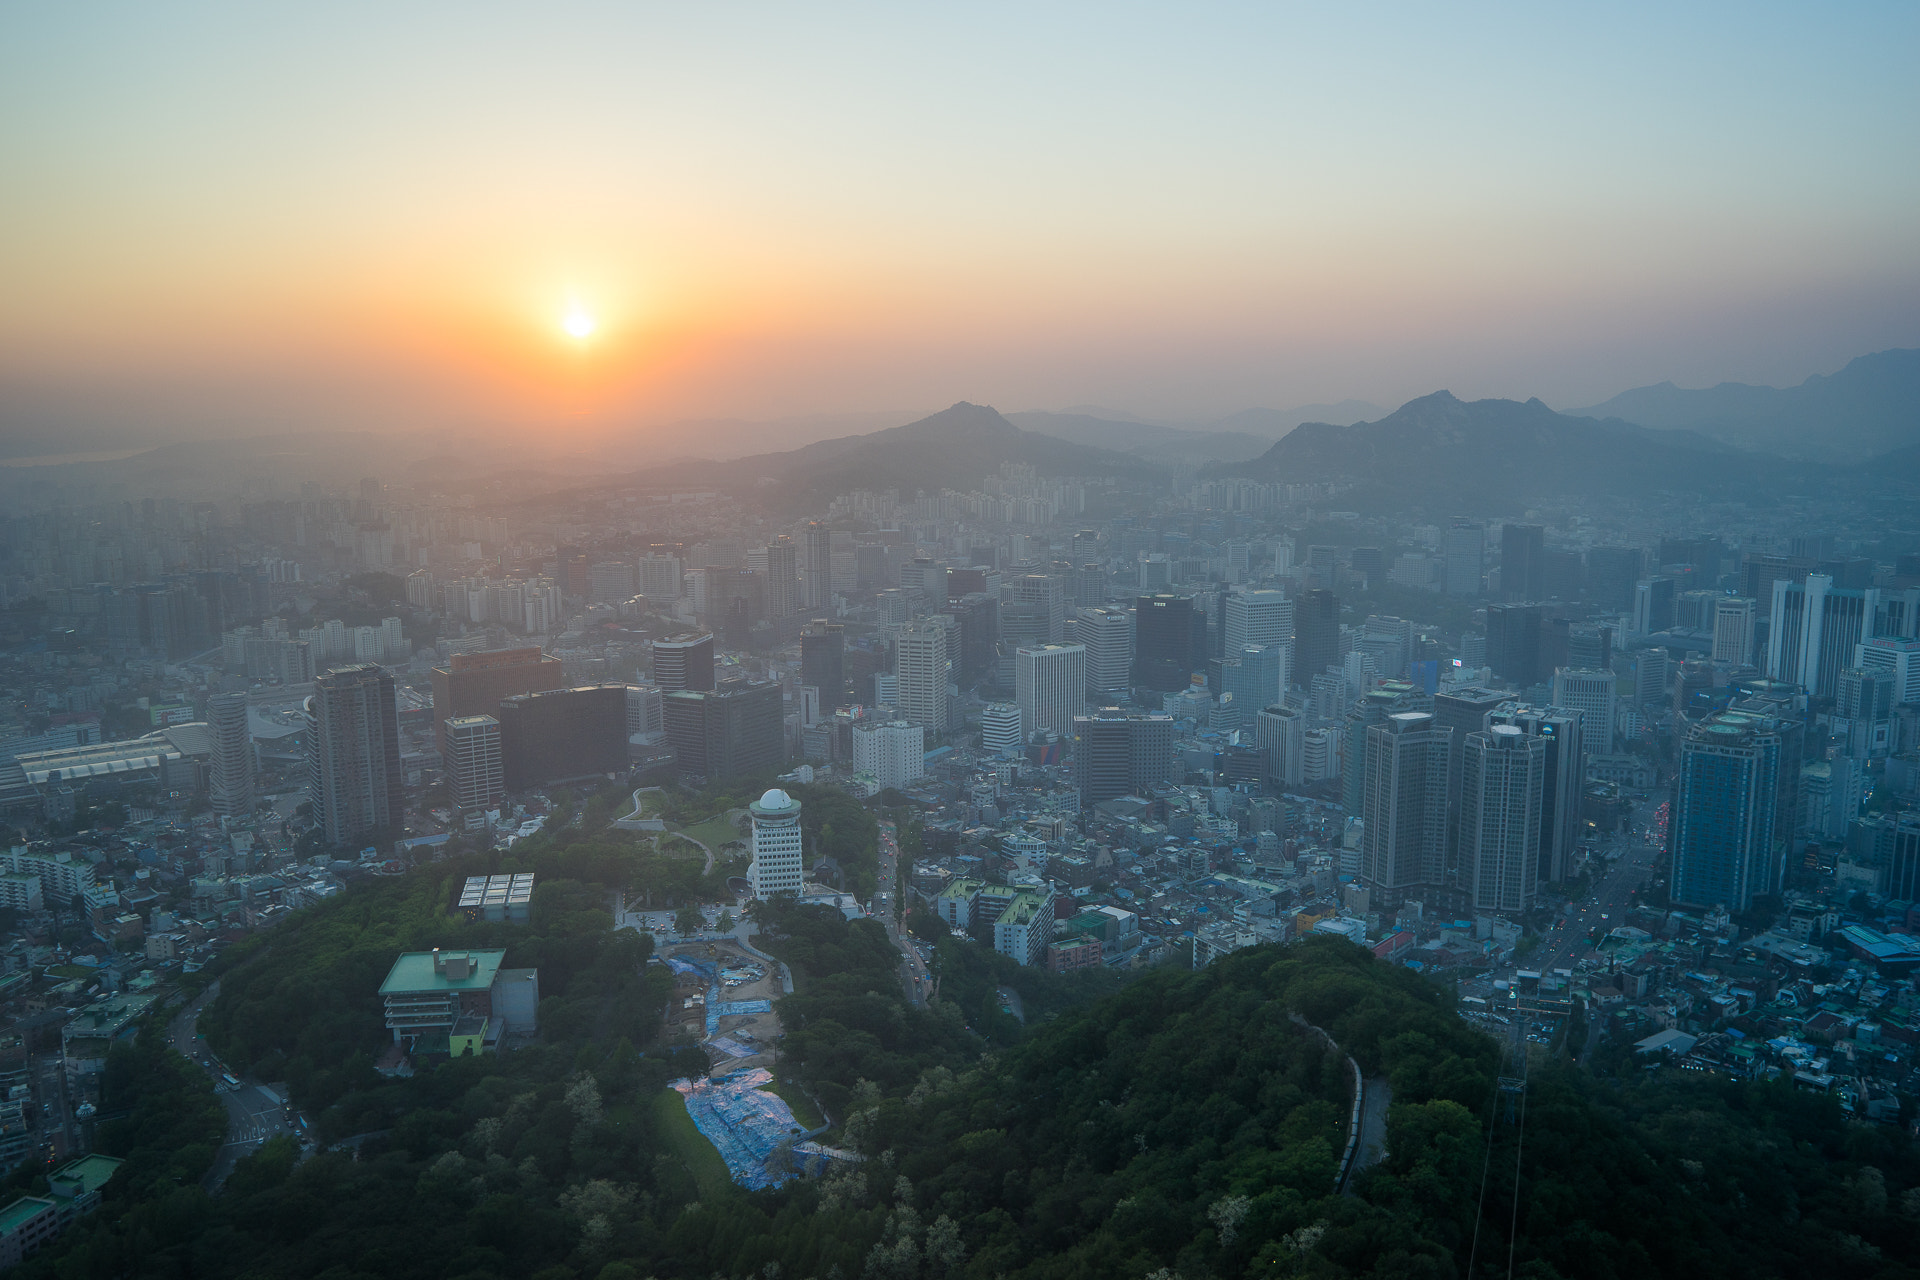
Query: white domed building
{"x":777,"y":853}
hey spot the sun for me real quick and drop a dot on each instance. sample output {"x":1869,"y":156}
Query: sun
{"x":578,"y":324}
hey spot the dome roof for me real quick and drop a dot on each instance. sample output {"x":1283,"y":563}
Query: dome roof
{"x":776,"y":799}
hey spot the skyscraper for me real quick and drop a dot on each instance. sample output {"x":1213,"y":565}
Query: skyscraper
{"x":1611,"y":573}
{"x":734,"y":730}
{"x":232,"y":764}
{"x":562,"y":733}
{"x":1164,"y":658}
{"x":920,"y":662}
{"x":476,"y":767}
{"x":1513,"y":643}
{"x":1559,"y":730}
{"x":1897,"y":659}
{"x":1733,"y":619}
{"x":353,"y":753}
{"x":1653,"y":606}
{"x":1249,"y":679}
{"x":894,"y":753}
{"x":1522,"y":561}
{"x":472,"y":684}
{"x":823,"y":662}
{"x":1504,"y":772}
{"x":1280,"y":731}
{"x":1813,"y":630}
{"x":1593,"y":694}
{"x":1466,"y":549}
{"x":1403,"y":842}
{"x":1723,"y":828}
{"x":1316,"y":635}
{"x":1263,"y":618}
{"x":778,"y":845}
{"x":1116,"y":753}
{"x":1046,"y":592}
{"x":684,"y":661}
{"x":1050,"y":687}
{"x":1107,"y":635}
{"x":816,"y":587}
{"x":783,"y":578}
{"x":1000,"y":728}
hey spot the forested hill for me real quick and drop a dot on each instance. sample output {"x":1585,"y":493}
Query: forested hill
{"x":1187,"y":1125}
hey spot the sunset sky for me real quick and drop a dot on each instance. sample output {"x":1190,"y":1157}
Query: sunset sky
{"x":215,"y":216}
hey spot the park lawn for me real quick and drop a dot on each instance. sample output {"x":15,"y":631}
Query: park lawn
{"x":685,"y":1140}
{"x":805,"y":1113}
{"x":714,"y":832}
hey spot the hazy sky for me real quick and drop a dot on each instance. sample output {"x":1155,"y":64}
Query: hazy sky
{"x":220,"y":214}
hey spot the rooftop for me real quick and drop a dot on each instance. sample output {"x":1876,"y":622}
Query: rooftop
{"x":21,"y":1211}
{"x":436,"y":970}
{"x":90,"y":1172}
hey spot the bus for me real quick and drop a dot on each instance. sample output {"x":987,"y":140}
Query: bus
{"x":231,"y":1082}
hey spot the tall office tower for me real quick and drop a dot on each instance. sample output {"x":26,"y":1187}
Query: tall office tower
{"x":734,"y":730}
{"x":1513,"y":643}
{"x":1368,"y":563}
{"x":1863,"y":713}
{"x":1024,"y":622}
{"x":1594,"y":695}
{"x":1248,"y":680}
{"x":660,"y":576}
{"x":1611,"y":575}
{"x":893,"y":753}
{"x":977,"y":619}
{"x":1653,"y":606}
{"x":1263,"y":618}
{"x":1403,"y":843}
{"x":231,"y":785}
{"x":1903,"y":858}
{"x":1561,"y":731}
{"x":816,"y":587}
{"x":1164,"y":658}
{"x":1087,"y":585}
{"x":920,"y":662}
{"x":684,"y":661}
{"x":1465,"y":550}
{"x":1724,"y":841}
{"x":778,"y":845}
{"x":353,"y":753}
{"x":1759,"y":573}
{"x":1000,"y":728}
{"x":783,"y":578}
{"x":1371,"y":708}
{"x":476,"y":765}
{"x":1050,"y":686}
{"x":1047,"y":592}
{"x":1462,"y":711}
{"x":1814,"y":629}
{"x":610,"y":582}
{"x":575,"y":572}
{"x":1316,"y":635}
{"x":472,"y":684}
{"x":823,"y":647}
{"x":1280,"y":732}
{"x":1589,"y":646}
{"x":1651,"y":672}
{"x":643,"y":710}
{"x":1116,"y":753}
{"x":1107,"y":635}
{"x":1502,"y":780}
{"x":1898,"y":660}
{"x":1733,"y":619}
{"x":1522,"y":561}
{"x":562,"y":733}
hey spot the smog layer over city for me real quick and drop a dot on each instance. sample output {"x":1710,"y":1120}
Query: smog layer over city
{"x":857,"y":642}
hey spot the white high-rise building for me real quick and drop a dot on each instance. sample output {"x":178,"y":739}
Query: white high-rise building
{"x":1280,"y":732}
{"x":1733,"y":618}
{"x":1897,"y":660}
{"x":1000,"y":728}
{"x":1504,"y":774}
{"x":476,"y":766}
{"x":778,"y":847}
{"x":1262,"y":618}
{"x":1107,"y":636}
{"x":1594,"y":695}
{"x":895,"y":753}
{"x":920,"y":663}
{"x":1404,"y":803}
{"x":231,"y":786}
{"x":1050,"y":686}
{"x":369,"y":645}
{"x":660,"y":577}
{"x":645,"y":713}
